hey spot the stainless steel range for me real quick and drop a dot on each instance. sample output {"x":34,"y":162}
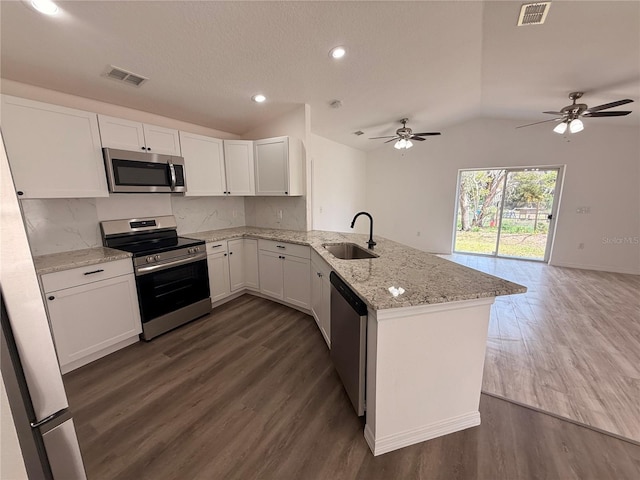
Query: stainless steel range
{"x":171,"y":271}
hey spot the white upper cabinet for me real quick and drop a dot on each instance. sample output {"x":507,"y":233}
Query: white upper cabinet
{"x":129,"y":135}
{"x":278,"y":163}
{"x":204,"y":161}
{"x":54,"y":152}
{"x":238,"y":160}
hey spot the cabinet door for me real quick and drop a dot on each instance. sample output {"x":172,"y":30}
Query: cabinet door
{"x":272,"y":166}
{"x":251,"y":279}
{"x":54,"y":152}
{"x":236,"y":264}
{"x":325,"y":317}
{"x":219,"y":276}
{"x":238,"y":160}
{"x":297,"y":288}
{"x":161,"y":140}
{"x":91,"y":317}
{"x":120,"y":133}
{"x":316,"y":294}
{"x":270,"y":269}
{"x":204,"y":164}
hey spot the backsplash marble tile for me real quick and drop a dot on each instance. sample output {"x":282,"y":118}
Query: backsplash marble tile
{"x":61,"y":224}
{"x":200,"y":214}
{"x":265,"y":212}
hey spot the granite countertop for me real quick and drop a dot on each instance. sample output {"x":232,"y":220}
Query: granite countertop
{"x":425,"y":278}
{"x":57,"y":262}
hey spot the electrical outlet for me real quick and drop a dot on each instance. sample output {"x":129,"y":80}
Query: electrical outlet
{"x":583,"y":210}
{"x":581,"y":246}
{"x":235,"y":214}
{"x":320,"y":210}
{"x":417,"y":233}
{"x":280,"y":214}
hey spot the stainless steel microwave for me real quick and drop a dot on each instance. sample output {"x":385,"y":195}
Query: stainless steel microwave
{"x":142,"y":172}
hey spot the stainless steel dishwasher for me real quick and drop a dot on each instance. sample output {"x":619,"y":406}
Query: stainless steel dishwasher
{"x":349,"y":340}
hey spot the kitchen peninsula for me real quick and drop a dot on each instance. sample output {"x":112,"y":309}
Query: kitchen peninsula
{"x":425,"y":346}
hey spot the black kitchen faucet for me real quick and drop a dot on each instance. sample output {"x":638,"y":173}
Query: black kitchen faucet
{"x":370,"y":242}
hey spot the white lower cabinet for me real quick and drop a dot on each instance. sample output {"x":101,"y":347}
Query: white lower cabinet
{"x":93,"y":311}
{"x":321,"y":295}
{"x":233,"y":266}
{"x":218,"y":263}
{"x":284,"y":272}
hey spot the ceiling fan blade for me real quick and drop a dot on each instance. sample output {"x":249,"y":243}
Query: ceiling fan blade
{"x":543,"y":121}
{"x":606,"y":114}
{"x":420,"y":139}
{"x":377,"y":138}
{"x":394,"y":138}
{"x":554,"y":113}
{"x":604,"y":106}
{"x":425,"y":134}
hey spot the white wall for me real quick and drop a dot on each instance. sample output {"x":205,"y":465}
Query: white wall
{"x":338,"y":185}
{"x":264,"y":211}
{"x":414,"y":190}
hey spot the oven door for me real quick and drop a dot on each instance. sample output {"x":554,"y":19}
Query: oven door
{"x":163,"y":291}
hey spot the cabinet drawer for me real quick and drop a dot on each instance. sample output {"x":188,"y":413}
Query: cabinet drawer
{"x":80,"y":276}
{"x":216,"y":247}
{"x":283,"y":247}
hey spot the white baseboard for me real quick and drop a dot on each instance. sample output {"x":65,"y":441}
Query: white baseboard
{"x":427,"y":432}
{"x":632,"y":270}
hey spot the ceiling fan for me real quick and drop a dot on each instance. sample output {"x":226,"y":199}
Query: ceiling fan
{"x":404,"y":136}
{"x":569,"y":116}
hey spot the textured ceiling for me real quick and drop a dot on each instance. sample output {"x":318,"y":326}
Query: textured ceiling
{"x":437,"y":63}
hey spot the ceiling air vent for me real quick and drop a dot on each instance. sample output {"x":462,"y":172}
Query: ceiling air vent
{"x":533,"y":13}
{"x":116,"y":73}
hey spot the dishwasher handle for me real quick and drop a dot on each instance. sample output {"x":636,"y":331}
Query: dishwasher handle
{"x":349,"y":295}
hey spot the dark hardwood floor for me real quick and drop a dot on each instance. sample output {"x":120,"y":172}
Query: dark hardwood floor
{"x":249,"y":392}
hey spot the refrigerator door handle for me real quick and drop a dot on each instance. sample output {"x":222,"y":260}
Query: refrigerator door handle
{"x":59,"y":413}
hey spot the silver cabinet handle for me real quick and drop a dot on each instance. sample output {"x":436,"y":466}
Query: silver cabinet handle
{"x":281,"y":246}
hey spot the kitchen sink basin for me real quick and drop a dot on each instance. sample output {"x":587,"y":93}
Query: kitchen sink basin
{"x":349,"y":251}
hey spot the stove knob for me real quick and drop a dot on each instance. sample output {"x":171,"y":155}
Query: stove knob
{"x":196,"y":249}
{"x":149,"y":259}
{"x":156,"y":258}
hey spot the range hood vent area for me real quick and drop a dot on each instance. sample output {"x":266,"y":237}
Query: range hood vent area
{"x":119,"y":74}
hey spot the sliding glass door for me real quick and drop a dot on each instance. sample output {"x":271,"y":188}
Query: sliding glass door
{"x":506,"y":212}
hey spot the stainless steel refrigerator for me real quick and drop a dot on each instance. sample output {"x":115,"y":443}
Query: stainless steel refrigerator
{"x":30,"y":369}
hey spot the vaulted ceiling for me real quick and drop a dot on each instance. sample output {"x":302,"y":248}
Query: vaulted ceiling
{"x":437,"y":63}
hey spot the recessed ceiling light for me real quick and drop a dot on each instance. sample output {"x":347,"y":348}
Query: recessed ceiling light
{"x":337,"y":52}
{"x":45,"y":6}
{"x":259,"y":98}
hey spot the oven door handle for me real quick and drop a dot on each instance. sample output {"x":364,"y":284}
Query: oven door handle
{"x":172,"y":170}
{"x":174,"y":263}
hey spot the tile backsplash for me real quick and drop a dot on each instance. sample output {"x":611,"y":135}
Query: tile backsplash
{"x":63,"y":224}
{"x":199,"y":214}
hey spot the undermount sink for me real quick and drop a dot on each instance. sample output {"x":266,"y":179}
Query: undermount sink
{"x":348,"y":251}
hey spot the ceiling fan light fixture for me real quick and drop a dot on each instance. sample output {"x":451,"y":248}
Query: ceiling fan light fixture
{"x":576,"y":126}
{"x":561,"y":128}
{"x":409,"y":144}
{"x":258,"y":98}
